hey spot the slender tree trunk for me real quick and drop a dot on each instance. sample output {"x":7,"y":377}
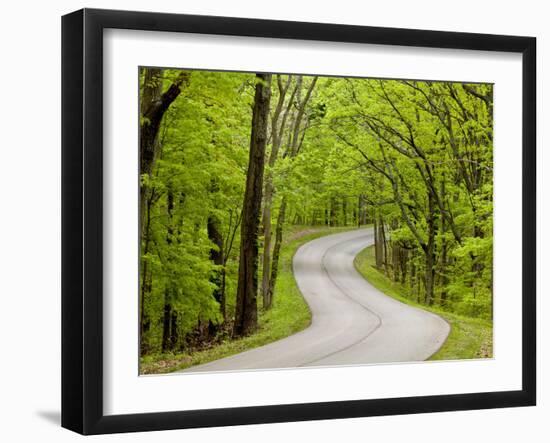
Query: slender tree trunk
{"x":216,"y":256}
{"x":443,"y":260}
{"x":395,"y":250}
{"x":384,"y":244}
{"x":396,"y":260}
{"x":266,"y":258}
{"x":166,"y":322}
{"x":174,"y":330}
{"x":344,"y":212}
{"x":377,"y":244}
{"x":404,"y":264}
{"x":359,"y":210}
{"x":228,"y":247}
{"x":246,"y":313}
{"x":277,"y":250}
{"x":412,"y":280}
{"x":429,"y":279}
{"x":143,"y":344}
{"x":145,"y":288}
{"x":169,"y":323}
{"x":222,"y":295}
{"x":429,"y":252}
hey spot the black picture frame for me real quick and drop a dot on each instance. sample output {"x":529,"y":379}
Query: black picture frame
{"x":82,"y":218}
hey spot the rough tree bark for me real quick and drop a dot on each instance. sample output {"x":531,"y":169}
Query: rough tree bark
{"x":153,"y":106}
{"x":246,"y":313}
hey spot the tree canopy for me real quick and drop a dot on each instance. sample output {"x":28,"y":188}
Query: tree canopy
{"x":230,"y":160}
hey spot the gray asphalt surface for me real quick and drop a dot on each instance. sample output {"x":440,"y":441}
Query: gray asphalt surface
{"x":352,"y":322}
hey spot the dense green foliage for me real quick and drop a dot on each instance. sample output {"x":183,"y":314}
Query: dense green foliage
{"x":428,"y":151}
{"x":413,"y":158}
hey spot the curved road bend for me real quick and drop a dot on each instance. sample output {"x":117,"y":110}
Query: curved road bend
{"x":352,"y":321}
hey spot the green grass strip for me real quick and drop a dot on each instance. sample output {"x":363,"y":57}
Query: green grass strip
{"x":469,"y":337}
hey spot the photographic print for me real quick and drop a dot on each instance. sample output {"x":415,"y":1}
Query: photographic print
{"x":291,"y":221}
{"x":312,"y":206}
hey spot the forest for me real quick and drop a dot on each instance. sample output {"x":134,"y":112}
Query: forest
{"x":233,"y":165}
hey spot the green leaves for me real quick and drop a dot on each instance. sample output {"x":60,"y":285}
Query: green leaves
{"x":200,"y":172}
{"x":415,"y":157}
{"x":422,"y":153}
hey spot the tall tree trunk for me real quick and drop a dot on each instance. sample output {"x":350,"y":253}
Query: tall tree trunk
{"x":404,"y":264}
{"x":216,"y":256}
{"x":145,"y":284}
{"x":344,"y":211}
{"x":444,"y":259}
{"x":166,"y":322}
{"x":174,"y":330}
{"x":246,"y":313}
{"x":228,"y":247}
{"x":412,"y":280}
{"x":276,"y":251}
{"x":395,"y":253}
{"x":429,"y":252}
{"x":359,"y":210}
{"x":377,"y":243}
{"x":266,"y":258}
{"x":396,"y":260}
{"x":384,"y":243}
{"x":429,"y":279}
{"x":168,"y":327}
{"x":333,"y":213}
{"x":222,"y":295}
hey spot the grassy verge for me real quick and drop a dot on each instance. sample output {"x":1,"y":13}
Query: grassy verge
{"x":288,"y":315}
{"x":469,"y":337}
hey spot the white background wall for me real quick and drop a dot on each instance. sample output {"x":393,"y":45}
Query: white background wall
{"x":30,"y":218}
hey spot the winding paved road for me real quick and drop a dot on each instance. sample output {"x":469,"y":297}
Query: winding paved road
{"x":352,"y":321}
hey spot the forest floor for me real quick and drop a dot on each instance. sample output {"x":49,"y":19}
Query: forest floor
{"x":288,"y":315}
{"x":469,"y":338}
